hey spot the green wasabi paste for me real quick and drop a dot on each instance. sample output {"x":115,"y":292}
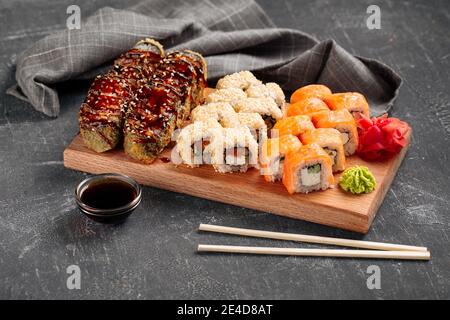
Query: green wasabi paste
{"x":357,"y":180}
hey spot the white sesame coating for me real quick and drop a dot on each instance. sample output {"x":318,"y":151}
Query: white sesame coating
{"x":263,"y":106}
{"x":242,"y":80}
{"x":230,"y":95}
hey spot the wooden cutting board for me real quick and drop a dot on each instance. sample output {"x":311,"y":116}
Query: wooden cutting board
{"x":332,"y":207}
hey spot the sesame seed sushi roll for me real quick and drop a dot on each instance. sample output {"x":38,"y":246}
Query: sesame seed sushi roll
{"x":253,"y":121}
{"x":354,"y":102}
{"x":268,"y":90}
{"x":215,"y":110}
{"x":308,"y":106}
{"x":230,"y":95}
{"x":266,"y":107}
{"x":295,"y":125}
{"x":233,"y":150}
{"x":273,"y":153}
{"x":192,"y":141}
{"x":331,"y":142}
{"x":342,"y":121}
{"x":241,"y":80}
{"x":312,"y":90}
{"x":308,"y":169}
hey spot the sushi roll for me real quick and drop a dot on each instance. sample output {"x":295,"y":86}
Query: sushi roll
{"x":253,"y":121}
{"x":233,"y":150}
{"x":149,"y":122}
{"x":312,"y":90}
{"x":308,"y":169}
{"x":101,"y":115}
{"x":331,"y":142}
{"x":266,"y":107}
{"x":268,"y":90}
{"x":308,"y":106}
{"x":229,"y":95}
{"x":342,"y":121}
{"x":273,"y":153}
{"x":192,"y":141}
{"x":146,"y":55}
{"x":241,"y":80}
{"x":354,"y":102}
{"x":191,"y":67}
{"x":215,"y":110}
{"x":295,"y":125}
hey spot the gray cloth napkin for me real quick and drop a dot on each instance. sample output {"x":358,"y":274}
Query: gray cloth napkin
{"x":234,"y":35}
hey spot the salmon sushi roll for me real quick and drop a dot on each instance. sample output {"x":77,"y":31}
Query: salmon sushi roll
{"x":233,"y":150}
{"x":308,"y":169}
{"x":354,"y":102}
{"x":308,"y":106}
{"x":295,"y":125}
{"x":331,"y":142}
{"x":342,"y":121}
{"x":273,"y":153}
{"x":313,"y":90}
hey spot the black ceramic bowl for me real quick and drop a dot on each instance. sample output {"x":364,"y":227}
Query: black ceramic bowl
{"x":108,"y":197}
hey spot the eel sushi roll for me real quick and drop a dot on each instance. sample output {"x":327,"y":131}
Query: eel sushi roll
{"x":268,"y":90}
{"x":312,"y":90}
{"x":192,"y":141}
{"x":331,"y":142}
{"x":295,"y":125}
{"x":308,"y":169}
{"x":273,"y":153}
{"x":185,"y":72}
{"x":308,"y":106}
{"x":253,"y":121}
{"x":342,"y":121}
{"x":191,"y":66}
{"x":266,"y":107}
{"x":101,"y":115}
{"x":354,"y":102}
{"x":229,"y":95}
{"x":146,"y":55}
{"x":150,"y":122}
{"x":233,"y":150}
{"x":241,"y":80}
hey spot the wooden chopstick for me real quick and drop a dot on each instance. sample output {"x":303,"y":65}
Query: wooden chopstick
{"x":342,"y":253}
{"x":311,"y":239}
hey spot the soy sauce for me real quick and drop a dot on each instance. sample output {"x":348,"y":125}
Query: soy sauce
{"x":108,"y":194}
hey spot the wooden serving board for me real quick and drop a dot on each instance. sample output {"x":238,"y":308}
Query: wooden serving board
{"x":332,"y":207}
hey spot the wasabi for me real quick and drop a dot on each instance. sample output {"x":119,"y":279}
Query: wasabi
{"x":357,"y":180}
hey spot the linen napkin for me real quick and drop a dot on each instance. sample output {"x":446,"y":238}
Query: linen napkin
{"x":233,"y":35}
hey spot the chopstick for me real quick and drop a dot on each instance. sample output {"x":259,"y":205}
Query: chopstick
{"x":311,"y":239}
{"x":342,"y":253}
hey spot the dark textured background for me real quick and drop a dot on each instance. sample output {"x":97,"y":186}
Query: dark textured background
{"x":153,"y":254}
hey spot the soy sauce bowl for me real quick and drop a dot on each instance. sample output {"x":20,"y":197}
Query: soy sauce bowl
{"x":108,"y":198}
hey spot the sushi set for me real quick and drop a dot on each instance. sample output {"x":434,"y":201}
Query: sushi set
{"x":319,"y":158}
